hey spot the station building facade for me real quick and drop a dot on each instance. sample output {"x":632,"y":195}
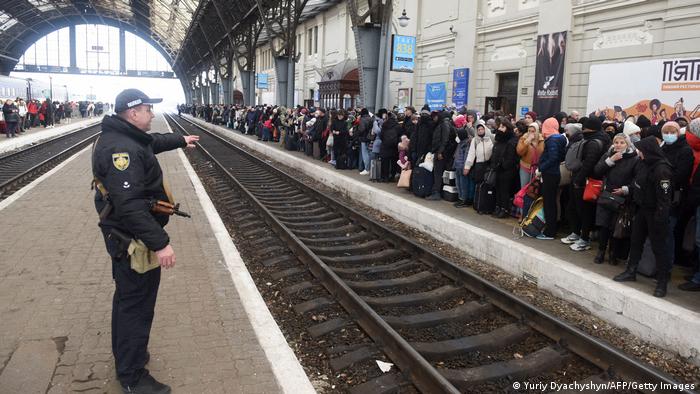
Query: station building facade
{"x":497,"y":41}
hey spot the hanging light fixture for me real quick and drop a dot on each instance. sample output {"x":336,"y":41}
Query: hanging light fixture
{"x":403,"y":19}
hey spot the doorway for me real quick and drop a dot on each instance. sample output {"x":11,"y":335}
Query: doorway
{"x":508,"y":90}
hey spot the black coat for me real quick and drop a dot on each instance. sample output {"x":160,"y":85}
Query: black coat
{"x":592,"y":151}
{"x":653,"y":185}
{"x":441,"y":134}
{"x":620,"y":174}
{"x":340,"y":141}
{"x":422,"y":137}
{"x":364,"y":128}
{"x":504,"y":156}
{"x":680,"y":155}
{"x":11,"y":113}
{"x":391,"y":130}
{"x":124,"y":160}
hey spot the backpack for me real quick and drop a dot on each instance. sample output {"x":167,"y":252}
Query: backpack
{"x":573,"y":160}
{"x":533,"y":223}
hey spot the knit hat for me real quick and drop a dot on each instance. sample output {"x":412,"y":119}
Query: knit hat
{"x":425,"y":110}
{"x":694,"y":127}
{"x":655,"y":131}
{"x":532,"y":114}
{"x":630,"y":128}
{"x":671,"y":125}
{"x":592,"y":124}
{"x":460,"y":121}
{"x":571,"y":129}
{"x":550,"y":127}
{"x":643,"y":121}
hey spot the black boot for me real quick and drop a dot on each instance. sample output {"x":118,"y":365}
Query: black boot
{"x":661,"y":285}
{"x":630,"y":274}
{"x":600,"y":257}
{"x":147,"y":385}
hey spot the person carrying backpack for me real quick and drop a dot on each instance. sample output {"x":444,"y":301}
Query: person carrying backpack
{"x":581,"y":159}
{"x":548,"y":170}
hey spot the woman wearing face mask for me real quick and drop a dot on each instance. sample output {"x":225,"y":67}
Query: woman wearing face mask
{"x":530,"y":148}
{"x":632,"y":131}
{"x":479,"y":154}
{"x":504,"y":160}
{"x":617,"y":168}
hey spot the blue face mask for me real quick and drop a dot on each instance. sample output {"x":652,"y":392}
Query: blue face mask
{"x":670,"y":138}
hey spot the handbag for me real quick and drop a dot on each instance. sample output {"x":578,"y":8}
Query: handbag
{"x":623,"y":224}
{"x":478,"y":170}
{"x":405,"y":179}
{"x":565,"y":175}
{"x":490,"y":177}
{"x":610,"y":201}
{"x":592,"y":190}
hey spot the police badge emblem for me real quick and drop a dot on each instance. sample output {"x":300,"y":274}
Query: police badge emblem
{"x":666,"y":186}
{"x":120,"y":161}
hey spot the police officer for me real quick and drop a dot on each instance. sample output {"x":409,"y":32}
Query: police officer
{"x":652,"y":193}
{"x":129,"y":179}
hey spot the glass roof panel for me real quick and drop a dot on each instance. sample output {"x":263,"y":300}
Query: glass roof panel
{"x":6,"y":21}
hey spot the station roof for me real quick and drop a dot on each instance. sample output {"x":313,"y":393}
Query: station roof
{"x":189,"y":33}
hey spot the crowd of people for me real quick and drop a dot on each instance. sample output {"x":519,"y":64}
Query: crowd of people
{"x":631,"y":184}
{"x":18,"y":116}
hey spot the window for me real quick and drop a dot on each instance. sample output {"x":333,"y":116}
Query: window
{"x":315,"y":39}
{"x":310,"y":47}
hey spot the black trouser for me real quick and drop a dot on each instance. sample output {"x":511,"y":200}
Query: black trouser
{"x":504,"y":188}
{"x":549,"y":189}
{"x":644,"y":225}
{"x":133,"y":306}
{"x":438,"y":169}
{"x":619,"y":247}
{"x":388,"y":168}
{"x":581,"y":214}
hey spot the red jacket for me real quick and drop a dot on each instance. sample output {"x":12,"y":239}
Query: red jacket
{"x":32,"y":108}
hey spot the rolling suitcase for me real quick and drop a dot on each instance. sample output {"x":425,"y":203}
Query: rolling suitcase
{"x":341,"y":162}
{"x":422,"y":182}
{"x":290,"y":141}
{"x":375,"y":169}
{"x":484,"y":198}
{"x":317,"y":150}
{"x":308,"y":148}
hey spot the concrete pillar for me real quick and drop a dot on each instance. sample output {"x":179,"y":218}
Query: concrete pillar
{"x":281,"y":70}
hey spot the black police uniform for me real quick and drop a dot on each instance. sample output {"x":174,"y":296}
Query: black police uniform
{"x":124,"y":162}
{"x":652,"y":193}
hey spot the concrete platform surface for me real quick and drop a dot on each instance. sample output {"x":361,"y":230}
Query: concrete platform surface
{"x":669,"y":322}
{"x":212,"y":331}
{"x":38,"y":134}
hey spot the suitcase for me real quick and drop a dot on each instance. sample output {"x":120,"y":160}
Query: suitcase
{"x":484,"y":198}
{"x":290,"y":142}
{"x":647,"y":264}
{"x":449,"y":178}
{"x":422,"y":182}
{"x":341,"y":162}
{"x":308,"y":148}
{"x":449,"y":193}
{"x":316,"y":150}
{"x":375,"y":169}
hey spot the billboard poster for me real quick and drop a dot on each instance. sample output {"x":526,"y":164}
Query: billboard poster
{"x":660,"y":89}
{"x":460,"y":86}
{"x":261,"y":81}
{"x":404,"y":97}
{"x":436,"y":95}
{"x":403,"y":53}
{"x":549,"y":74}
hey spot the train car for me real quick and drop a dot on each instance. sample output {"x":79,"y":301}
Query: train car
{"x":11,"y":88}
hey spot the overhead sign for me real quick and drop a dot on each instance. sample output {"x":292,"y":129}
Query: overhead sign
{"x":261,"y":81}
{"x":403,"y":53}
{"x":460,"y":86}
{"x":669,"y":90}
{"x":435,"y":95}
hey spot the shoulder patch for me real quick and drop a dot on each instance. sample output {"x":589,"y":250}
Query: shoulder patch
{"x":665,"y":185}
{"x":120,"y":160}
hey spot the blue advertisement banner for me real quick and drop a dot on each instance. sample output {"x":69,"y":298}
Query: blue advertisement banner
{"x":403,"y":53}
{"x":436,"y":95}
{"x":261,"y":81}
{"x":460,"y":86}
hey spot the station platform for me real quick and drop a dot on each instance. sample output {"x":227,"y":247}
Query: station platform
{"x":38,"y":134}
{"x":669,"y":322}
{"x":212,"y":330}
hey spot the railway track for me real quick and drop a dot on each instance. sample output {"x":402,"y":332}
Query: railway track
{"x":445,"y":328}
{"x":21,"y":167}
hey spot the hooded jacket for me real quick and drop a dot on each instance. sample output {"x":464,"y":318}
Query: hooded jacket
{"x":480,"y":149}
{"x":680,"y":155}
{"x":504,"y":157}
{"x":553,"y":154}
{"x":441,"y":134}
{"x":462,"y":149}
{"x":124,"y":160}
{"x":422,"y":137}
{"x":617,"y":174}
{"x":592,"y":151}
{"x":653,"y":182}
{"x":391,"y":132}
{"x":364,"y":128}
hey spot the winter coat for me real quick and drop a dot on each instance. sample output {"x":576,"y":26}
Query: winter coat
{"x":340,"y":141}
{"x":11,"y":113}
{"x":461,"y":154}
{"x":504,"y":157}
{"x":422,"y":137}
{"x":553,"y":154}
{"x":364,"y":129}
{"x":592,"y":151}
{"x":693,"y":195}
{"x":680,"y":155}
{"x":377,"y":131}
{"x":653,"y":188}
{"x":441,"y":135}
{"x":617,"y":174}
{"x":480,"y":150}
{"x":527,"y":152}
{"x":391,"y":131}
